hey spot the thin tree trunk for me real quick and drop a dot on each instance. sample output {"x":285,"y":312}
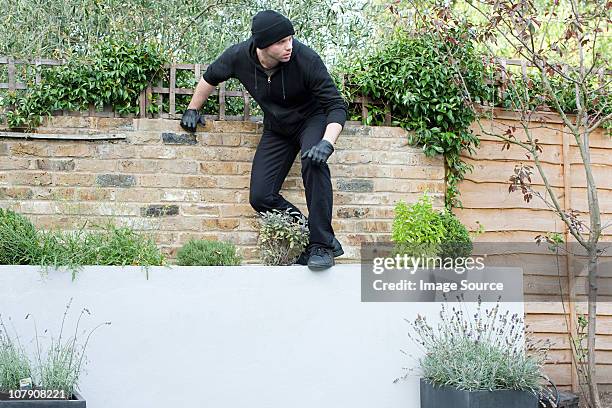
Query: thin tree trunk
{"x":591,"y":363}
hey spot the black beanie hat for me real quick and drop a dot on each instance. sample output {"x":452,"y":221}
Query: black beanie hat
{"x":269,"y":27}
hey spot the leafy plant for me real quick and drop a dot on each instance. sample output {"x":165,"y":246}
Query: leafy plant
{"x":529,"y":92}
{"x":410,"y":72}
{"x":207,"y":253}
{"x":417,"y":229}
{"x":484,"y":350}
{"x":110,"y":245}
{"x":114,"y":74}
{"x":421,"y":231}
{"x":282,"y":237}
{"x":457,"y":242}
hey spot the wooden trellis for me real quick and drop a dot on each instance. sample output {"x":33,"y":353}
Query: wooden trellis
{"x":147,"y":95}
{"x":161,"y":92}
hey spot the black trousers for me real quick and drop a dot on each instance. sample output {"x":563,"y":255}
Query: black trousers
{"x":273,"y":159}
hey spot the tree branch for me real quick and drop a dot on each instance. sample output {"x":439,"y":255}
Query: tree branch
{"x":600,"y":122}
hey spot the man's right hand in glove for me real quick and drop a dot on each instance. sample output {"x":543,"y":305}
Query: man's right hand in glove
{"x":190,"y":120}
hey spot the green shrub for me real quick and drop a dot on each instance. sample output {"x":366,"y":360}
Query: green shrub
{"x":110,"y":245}
{"x":410,"y":70}
{"x":114,"y":245}
{"x":478,"y":351}
{"x":417,"y":229}
{"x":22,"y":244}
{"x":114,"y":74}
{"x":282,"y":237}
{"x":18,"y":239}
{"x":457,"y":242}
{"x":207,"y":253}
{"x":421,"y":231}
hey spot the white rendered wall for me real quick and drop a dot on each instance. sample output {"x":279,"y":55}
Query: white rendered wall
{"x":249,"y":336}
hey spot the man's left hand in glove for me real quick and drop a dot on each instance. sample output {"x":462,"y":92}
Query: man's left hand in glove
{"x":319,"y":153}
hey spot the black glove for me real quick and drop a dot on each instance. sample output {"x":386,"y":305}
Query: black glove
{"x":190,"y":120}
{"x":319,"y":153}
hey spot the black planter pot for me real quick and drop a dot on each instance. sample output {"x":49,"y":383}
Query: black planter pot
{"x":77,"y":401}
{"x":442,"y":397}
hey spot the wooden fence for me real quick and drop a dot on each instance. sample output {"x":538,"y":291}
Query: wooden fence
{"x":171,"y":91}
{"x":513,"y":223}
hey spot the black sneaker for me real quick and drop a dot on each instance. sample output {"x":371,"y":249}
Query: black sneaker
{"x":338,"y":251}
{"x":320,"y":258}
{"x":303,"y":258}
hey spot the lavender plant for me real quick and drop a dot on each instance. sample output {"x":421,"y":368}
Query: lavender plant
{"x":56,"y":367}
{"x":485,"y":350}
{"x":14,"y":363}
{"x":60,"y":367}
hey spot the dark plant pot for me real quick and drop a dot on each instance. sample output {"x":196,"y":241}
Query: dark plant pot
{"x":442,"y":397}
{"x":77,"y":401}
{"x":566,"y":400}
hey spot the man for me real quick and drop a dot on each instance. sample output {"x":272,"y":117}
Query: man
{"x":303,"y":110}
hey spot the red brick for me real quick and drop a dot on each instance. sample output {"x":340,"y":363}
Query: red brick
{"x":207,"y":210}
{"x":73,"y":179}
{"x":38,"y":148}
{"x":197,"y":181}
{"x":235,"y":182}
{"x":214,"y":167}
{"x":74,"y":149}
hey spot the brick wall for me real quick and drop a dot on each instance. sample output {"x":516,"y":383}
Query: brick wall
{"x":150,"y":174}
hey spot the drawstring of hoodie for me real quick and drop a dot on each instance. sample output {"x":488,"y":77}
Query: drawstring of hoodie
{"x":255,"y":73}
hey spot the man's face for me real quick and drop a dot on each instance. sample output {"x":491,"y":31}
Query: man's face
{"x":280,"y":50}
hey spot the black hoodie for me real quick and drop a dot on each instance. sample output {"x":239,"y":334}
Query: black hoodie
{"x":299,"y":89}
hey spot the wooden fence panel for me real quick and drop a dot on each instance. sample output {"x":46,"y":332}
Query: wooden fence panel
{"x":506,"y":217}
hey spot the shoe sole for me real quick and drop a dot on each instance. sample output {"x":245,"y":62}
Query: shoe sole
{"x":338,"y":251}
{"x":320,"y":267}
{"x":336,"y":254}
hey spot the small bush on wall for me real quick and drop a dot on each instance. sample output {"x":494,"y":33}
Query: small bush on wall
{"x":22,"y":244}
{"x":282,"y":237}
{"x":420,"y":230}
{"x":198,"y":252}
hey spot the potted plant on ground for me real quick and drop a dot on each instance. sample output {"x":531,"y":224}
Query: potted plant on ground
{"x":52,"y":380}
{"x":478,"y":359}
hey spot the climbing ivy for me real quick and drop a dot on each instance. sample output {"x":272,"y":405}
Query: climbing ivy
{"x":411,"y":71}
{"x":114,"y":74}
